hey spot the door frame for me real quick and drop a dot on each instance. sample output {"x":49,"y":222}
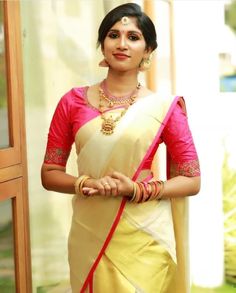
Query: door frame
{"x":13,"y":160}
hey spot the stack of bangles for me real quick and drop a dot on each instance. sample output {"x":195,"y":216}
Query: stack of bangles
{"x":145,"y":191}
{"x":79,"y":183}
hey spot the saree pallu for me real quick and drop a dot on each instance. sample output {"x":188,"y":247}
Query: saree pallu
{"x":115,"y":245}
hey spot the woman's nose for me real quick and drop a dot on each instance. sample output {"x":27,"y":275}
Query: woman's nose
{"x":122,"y":43}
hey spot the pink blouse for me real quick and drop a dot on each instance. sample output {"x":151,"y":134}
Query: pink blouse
{"x":73,"y":111}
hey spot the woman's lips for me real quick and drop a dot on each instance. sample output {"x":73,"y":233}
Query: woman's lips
{"x":121,"y":56}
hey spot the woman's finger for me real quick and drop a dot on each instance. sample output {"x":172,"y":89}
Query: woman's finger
{"x":107,"y":188}
{"x":89,"y":191}
{"x":118,"y":175}
{"x":114,"y":187}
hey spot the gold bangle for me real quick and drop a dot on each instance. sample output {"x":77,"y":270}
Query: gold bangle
{"x":134,"y":192}
{"x":82,"y":184}
{"x":79,"y":184}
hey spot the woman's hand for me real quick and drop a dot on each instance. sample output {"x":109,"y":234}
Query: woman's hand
{"x":125,"y":185}
{"x":115,"y":184}
{"x":106,"y":186}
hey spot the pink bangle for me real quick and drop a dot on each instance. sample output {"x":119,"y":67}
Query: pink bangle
{"x":161,"y":192}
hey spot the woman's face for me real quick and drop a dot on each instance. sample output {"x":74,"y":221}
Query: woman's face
{"x":124,"y":46}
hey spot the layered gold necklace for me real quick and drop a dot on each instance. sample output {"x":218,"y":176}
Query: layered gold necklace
{"x":107,"y":100}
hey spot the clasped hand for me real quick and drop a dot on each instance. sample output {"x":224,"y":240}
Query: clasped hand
{"x":116,"y":184}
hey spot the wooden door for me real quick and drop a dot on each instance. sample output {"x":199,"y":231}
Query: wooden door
{"x":15,"y":269}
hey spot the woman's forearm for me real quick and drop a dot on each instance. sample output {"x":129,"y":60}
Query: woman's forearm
{"x":56,"y":179}
{"x":181,"y":186}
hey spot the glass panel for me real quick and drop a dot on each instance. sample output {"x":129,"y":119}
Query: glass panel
{"x":4,"y":127}
{"x":227,"y":54}
{"x":7,"y":265}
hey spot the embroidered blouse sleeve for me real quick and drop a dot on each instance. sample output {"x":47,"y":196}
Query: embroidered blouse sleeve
{"x":60,"y":137}
{"x":180,"y":145}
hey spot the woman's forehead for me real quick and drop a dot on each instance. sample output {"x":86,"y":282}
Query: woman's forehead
{"x":126,"y":24}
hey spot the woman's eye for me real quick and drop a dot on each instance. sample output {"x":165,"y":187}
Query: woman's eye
{"x":113,"y":35}
{"x":133,"y":37}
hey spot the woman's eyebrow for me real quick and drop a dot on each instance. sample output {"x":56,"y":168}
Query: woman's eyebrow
{"x":132,"y":31}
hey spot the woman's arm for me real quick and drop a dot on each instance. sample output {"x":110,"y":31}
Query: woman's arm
{"x":180,"y":186}
{"x":55,"y":178}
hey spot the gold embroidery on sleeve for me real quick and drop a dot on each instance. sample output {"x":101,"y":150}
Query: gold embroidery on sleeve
{"x":189,"y":169}
{"x":56,"y":156}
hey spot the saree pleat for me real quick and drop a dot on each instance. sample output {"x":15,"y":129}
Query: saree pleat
{"x":140,"y":256}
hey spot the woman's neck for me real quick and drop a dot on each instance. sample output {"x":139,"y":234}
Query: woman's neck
{"x":120,"y":84}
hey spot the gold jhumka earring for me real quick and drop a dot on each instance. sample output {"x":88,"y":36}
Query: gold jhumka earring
{"x":145,"y":64}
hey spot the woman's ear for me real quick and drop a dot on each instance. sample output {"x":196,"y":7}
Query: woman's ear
{"x":147,"y":53}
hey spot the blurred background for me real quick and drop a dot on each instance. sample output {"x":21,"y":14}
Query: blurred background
{"x":196,"y":58}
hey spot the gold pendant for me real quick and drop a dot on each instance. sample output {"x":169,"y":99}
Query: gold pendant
{"x":108,"y":126}
{"x":110,"y":104}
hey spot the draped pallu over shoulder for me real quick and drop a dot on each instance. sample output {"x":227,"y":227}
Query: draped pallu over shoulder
{"x":95,"y":219}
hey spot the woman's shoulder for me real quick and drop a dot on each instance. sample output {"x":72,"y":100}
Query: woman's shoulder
{"x":77,"y":92}
{"x":82,"y":91}
{"x":74,"y":96}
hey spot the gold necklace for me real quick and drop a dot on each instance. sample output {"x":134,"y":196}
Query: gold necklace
{"x":113,"y":100}
{"x":109,"y":123}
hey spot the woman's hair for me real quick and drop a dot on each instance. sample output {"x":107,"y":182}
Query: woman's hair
{"x":144,"y":23}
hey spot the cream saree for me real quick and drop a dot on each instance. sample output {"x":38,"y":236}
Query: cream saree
{"x":114,"y":245}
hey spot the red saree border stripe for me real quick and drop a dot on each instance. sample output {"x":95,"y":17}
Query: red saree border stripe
{"x":89,"y":278}
{"x":109,"y":236}
{"x":91,"y":285}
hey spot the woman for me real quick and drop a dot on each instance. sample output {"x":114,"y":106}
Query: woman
{"x":126,"y":223}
